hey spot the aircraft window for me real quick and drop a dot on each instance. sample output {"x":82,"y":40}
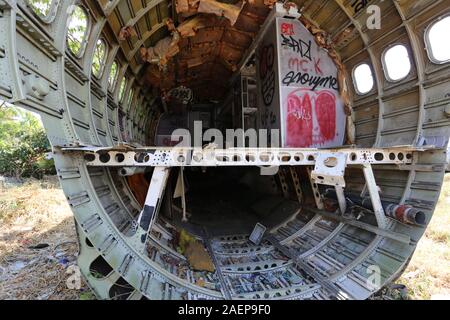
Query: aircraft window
{"x":363,"y":78}
{"x":397,"y":63}
{"x":113,"y":76}
{"x":123,"y":85}
{"x":98,"y":63}
{"x":41,"y":7}
{"x":78,"y":31}
{"x":130,"y":98}
{"x":438,"y":45}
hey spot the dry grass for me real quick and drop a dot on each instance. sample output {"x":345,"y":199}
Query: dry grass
{"x":37,"y":212}
{"x":428,"y":274}
{"x":31,"y":214}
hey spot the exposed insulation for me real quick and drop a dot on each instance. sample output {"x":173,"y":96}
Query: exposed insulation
{"x":324,"y":41}
{"x":126,"y":33}
{"x":213,"y":38}
{"x":187,"y":8}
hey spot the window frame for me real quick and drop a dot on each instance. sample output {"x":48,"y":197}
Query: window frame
{"x":385,"y":68}
{"x":355,"y":85}
{"x":124,"y":92}
{"x":87,"y":33}
{"x":51,"y":15}
{"x":102,"y":63}
{"x":113,"y":84}
{"x":130,"y":97}
{"x":428,"y":46}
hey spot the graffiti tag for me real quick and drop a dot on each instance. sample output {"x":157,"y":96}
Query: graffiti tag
{"x":298,"y":46}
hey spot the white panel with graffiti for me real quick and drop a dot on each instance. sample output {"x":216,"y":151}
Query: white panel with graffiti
{"x":312,"y":109}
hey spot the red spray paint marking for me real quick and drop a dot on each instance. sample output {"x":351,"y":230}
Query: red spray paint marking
{"x":298,"y":64}
{"x":299,"y":121}
{"x":300,"y":124}
{"x":287,"y":29}
{"x":326,"y":115}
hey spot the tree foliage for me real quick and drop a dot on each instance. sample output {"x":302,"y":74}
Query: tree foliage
{"x":77,"y":32}
{"x":41,"y":7}
{"x":23,"y":144}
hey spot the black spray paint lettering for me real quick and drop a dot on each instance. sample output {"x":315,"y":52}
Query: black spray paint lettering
{"x":268,"y":88}
{"x":298,"y":46}
{"x":313,"y":81}
{"x":267,"y":74}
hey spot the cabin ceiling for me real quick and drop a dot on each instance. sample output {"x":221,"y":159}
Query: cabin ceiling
{"x":213,"y":36}
{"x":203,"y":51}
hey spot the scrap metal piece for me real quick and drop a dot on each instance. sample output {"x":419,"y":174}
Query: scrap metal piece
{"x":406,"y":214}
{"x":257,"y":234}
{"x":330,"y":169}
{"x":152,"y":204}
{"x":400,"y":212}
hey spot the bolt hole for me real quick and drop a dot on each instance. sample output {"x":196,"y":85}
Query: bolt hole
{"x":105,"y":157}
{"x":250,"y":158}
{"x":265,"y":157}
{"x":181,"y":158}
{"x":198,"y":157}
{"x":89,"y":157}
{"x":120,"y":157}
{"x":379,"y":156}
{"x":331,"y":162}
{"x":141,"y":157}
{"x":299,"y":157}
{"x":284,"y":157}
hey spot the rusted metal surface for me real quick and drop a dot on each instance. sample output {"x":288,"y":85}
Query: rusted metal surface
{"x":213,"y":38}
{"x":139,"y":186}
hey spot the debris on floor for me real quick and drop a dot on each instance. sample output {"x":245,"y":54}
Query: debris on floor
{"x":37,"y":243}
{"x":195,"y":252}
{"x":199,"y":258}
{"x":39,"y":246}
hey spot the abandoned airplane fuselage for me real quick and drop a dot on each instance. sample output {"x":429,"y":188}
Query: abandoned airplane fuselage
{"x":340,"y":181}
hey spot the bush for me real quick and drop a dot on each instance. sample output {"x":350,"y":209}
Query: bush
{"x":23,"y":144}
